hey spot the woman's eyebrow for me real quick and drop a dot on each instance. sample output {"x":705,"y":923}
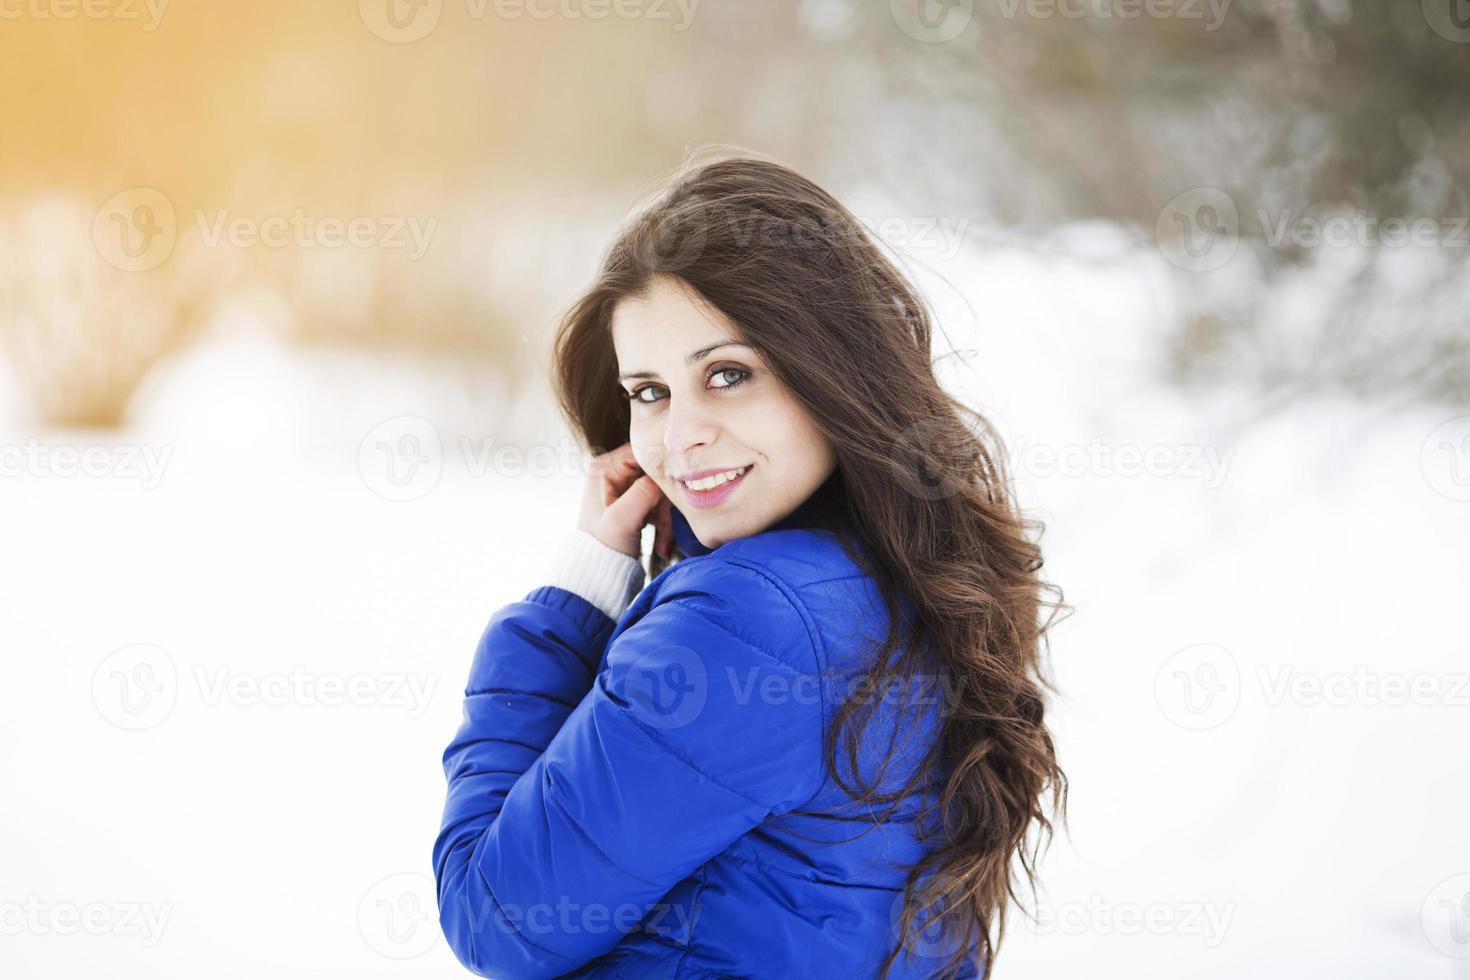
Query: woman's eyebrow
{"x":692,"y":358}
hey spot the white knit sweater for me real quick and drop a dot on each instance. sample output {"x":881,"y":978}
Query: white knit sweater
{"x":604,"y":576}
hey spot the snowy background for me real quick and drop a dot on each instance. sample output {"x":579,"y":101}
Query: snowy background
{"x":1227,"y":816}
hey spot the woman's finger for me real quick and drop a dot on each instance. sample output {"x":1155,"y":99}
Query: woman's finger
{"x":630,"y":511}
{"x":618,"y":469}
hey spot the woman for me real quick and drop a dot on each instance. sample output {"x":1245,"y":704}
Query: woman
{"x":811,"y":746}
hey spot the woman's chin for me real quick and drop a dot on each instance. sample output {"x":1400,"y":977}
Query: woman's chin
{"x":718,"y":530}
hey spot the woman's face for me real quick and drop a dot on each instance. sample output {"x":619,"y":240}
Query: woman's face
{"x":698,"y":408}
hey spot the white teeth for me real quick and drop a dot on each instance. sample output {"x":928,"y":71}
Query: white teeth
{"x":710,"y":482}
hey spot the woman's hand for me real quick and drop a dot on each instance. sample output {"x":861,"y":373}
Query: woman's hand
{"x":620,"y":500}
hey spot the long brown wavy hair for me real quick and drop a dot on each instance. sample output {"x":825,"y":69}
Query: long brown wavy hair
{"x":923,"y":488}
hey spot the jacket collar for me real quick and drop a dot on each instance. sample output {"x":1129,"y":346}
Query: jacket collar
{"x":815,"y":511}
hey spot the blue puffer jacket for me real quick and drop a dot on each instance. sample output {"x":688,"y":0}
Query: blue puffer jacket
{"x":649,"y":797}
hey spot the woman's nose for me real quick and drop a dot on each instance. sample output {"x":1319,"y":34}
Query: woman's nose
{"x":689,"y":427}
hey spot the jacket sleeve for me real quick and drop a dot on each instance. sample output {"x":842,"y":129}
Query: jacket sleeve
{"x":706,"y":720}
{"x":606,"y":578}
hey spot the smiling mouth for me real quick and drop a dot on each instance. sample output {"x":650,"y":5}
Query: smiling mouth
{"x":716,"y":480}
{"x":711,"y":490}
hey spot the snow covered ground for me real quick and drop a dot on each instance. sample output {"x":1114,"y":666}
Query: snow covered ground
{"x":237,"y":633}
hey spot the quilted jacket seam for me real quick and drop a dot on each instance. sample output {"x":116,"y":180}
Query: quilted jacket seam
{"x":694,"y":903}
{"x":519,"y":691}
{"x":818,"y":653}
{"x":667,"y":747}
{"x":592,"y":845}
{"x":519,"y":934}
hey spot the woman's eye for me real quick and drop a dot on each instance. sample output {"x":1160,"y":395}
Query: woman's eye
{"x":723,"y":372}
{"x":637,"y":394}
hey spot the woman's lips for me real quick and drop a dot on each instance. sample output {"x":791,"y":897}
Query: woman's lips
{"x":711,"y":498}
